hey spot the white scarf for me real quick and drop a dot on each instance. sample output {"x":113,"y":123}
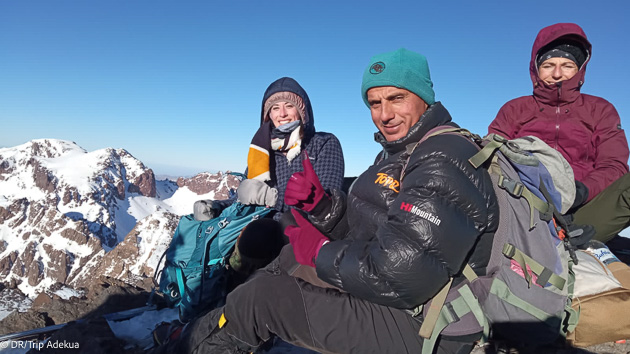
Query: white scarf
{"x":286,"y":138}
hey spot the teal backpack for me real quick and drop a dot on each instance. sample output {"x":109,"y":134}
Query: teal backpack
{"x":194,"y":276}
{"x":525,"y":296}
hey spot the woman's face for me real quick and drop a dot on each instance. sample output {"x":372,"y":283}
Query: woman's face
{"x":283,"y":113}
{"x":557,"y":69}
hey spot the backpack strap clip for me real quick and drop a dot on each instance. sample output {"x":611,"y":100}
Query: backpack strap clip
{"x":518,"y":189}
{"x":223,"y":223}
{"x":515,"y":188}
{"x":509,"y":250}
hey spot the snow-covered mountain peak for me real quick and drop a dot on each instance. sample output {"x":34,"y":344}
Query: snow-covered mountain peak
{"x":47,"y":148}
{"x":63,"y":210}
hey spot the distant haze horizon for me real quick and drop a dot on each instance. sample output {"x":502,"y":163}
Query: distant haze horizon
{"x":160,"y":170}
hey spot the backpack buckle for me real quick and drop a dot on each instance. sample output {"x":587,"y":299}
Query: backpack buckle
{"x":509,"y":250}
{"x":223,"y":223}
{"x":515,"y":188}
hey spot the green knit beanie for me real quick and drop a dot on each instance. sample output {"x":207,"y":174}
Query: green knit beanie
{"x":403,"y":69}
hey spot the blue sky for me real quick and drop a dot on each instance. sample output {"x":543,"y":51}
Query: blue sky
{"x":179,"y":84}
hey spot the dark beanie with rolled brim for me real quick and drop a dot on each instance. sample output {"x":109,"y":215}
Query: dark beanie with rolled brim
{"x":563,"y":48}
{"x":401,"y":68}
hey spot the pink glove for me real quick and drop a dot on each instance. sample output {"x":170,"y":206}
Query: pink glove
{"x":305,"y":239}
{"x":304,"y":190}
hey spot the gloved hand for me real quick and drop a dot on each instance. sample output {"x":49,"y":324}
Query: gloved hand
{"x":253,"y":191}
{"x":305,"y":239}
{"x":581,"y":194}
{"x":580,"y":235}
{"x":304,"y":190}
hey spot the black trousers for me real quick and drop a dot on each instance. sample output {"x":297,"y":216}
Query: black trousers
{"x":326,"y":320}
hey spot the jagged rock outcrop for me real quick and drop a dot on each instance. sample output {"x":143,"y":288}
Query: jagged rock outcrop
{"x":134,"y":259}
{"x":143,"y":184}
{"x":206,"y":182}
{"x":44,"y":244}
{"x":43,"y":178}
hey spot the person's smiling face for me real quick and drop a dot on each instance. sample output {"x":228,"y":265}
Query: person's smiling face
{"x":394,"y":110}
{"x":558,"y":69}
{"x":283,"y":113}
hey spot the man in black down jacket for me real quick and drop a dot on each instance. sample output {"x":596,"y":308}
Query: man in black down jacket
{"x":388,"y":247}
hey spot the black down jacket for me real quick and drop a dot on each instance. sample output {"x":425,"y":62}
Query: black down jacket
{"x":397,"y":243}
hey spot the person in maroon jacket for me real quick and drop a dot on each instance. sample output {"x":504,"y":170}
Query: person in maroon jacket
{"x":585,"y":129}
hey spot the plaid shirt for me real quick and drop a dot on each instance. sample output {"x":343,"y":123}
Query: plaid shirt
{"x":326,"y":155}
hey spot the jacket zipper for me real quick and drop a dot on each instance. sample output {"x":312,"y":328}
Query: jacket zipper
{"x":559,"y":85}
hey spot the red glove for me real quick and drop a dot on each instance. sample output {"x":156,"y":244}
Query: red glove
{"x":305,"y":239}
{"x":304,"y":190}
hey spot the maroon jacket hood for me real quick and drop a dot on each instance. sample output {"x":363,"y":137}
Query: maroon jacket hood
{"x":585,"y":129}
{"x":566,"y":91}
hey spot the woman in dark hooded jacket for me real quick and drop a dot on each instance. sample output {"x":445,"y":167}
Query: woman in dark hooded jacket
{"x":286,"y":136}
{"x":585,"y":129}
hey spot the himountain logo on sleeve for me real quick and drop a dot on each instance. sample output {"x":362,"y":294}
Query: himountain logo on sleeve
{"x":421,"y":213}
{"x":377,"y":68}
{"x":387,"y":181}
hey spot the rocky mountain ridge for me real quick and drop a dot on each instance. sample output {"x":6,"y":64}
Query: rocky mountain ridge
{"x":68,"y":216}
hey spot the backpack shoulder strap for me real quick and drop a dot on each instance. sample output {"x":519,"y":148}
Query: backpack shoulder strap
{"x":433,"y":313}
{"x":441,"y":129}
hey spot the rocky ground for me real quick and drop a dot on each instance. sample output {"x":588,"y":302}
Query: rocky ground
{"x":91,"y":332}
{"x":93,"y":335}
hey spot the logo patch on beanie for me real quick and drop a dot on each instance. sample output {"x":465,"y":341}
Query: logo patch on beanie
{"x":377,"y":68}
